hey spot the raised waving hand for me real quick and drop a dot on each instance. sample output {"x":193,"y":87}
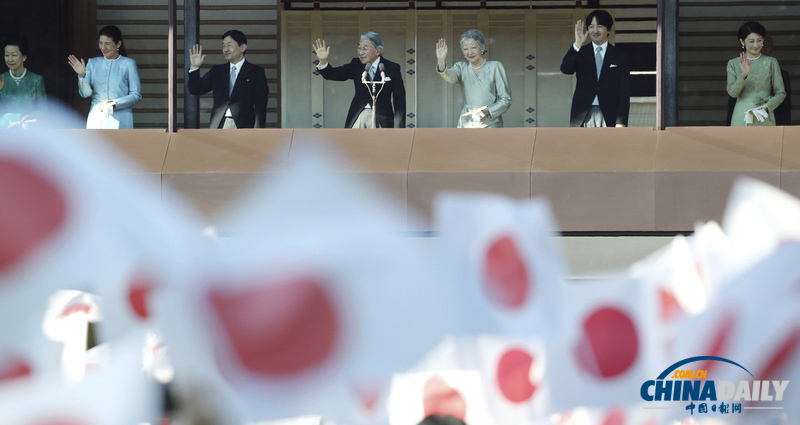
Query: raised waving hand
{"x":322,"y":50}
{"x":79,"y":66}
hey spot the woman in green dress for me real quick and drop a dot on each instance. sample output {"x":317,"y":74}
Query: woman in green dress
{"x":22,"y":95}
{"x":485,"y":85}
{"x":754,"y":80}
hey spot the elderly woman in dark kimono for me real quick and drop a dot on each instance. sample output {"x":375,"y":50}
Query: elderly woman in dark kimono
{"x":485,"y":85}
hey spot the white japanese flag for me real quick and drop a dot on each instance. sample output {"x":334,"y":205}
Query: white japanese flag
{"x":754,"y":322}
{"x":758,"y":218}
{"x":618,"y":347}
{"x":457,"y":393}
{"x":117,"y":394}
{"x":679,"y":291}
{"x":514,"y":373}
{"x":507,"y":264}
{"x":316,"y":302}
{"x":74,"y":215}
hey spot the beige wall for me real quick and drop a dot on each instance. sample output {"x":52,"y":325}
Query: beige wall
{"x":597,"y":180}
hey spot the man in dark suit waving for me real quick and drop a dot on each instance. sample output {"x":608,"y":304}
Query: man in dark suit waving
{"x":603,"y":91}
{"x":240,"y":87}
{"x":368,"y":64}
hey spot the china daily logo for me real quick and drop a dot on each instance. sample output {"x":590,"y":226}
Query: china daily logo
{"x":723,"y":397}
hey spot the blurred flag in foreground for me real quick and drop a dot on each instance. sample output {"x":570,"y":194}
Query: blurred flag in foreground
{"x":313,"y":306}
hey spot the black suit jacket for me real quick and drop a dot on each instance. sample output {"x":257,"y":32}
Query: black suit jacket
{"x":248,"y":101}
{"x":393,"y":93}
{"x":613,"y":90}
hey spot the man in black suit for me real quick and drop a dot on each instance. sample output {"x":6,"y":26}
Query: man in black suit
{"x":368,"y":65}
{"x":602,"y":96}
{"x":240,"y":87}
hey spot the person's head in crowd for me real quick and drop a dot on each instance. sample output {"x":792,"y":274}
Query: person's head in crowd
{"x":370,"y":46}
{"x":15,"y":50}
{"x":441,"y":420}
{"x":234,"y":46}
{"x":473,"y":46}
{"x":599,"y":23}
{"x":109,"y":40}
{"x":751,"y":37}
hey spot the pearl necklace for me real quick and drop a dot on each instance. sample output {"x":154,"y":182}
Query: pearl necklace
{"x":18,"y":79}
{"x":478,"y":67}
{"x":759,"y":55}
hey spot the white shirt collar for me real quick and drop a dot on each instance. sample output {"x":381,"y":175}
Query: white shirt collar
{"x":375,"y":64}
{"x":237,"y":65}
{"x":602,"y":47}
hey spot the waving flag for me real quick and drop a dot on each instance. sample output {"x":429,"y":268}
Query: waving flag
{"x":314,"y":305}
{"x":618,"y":345}
{"x":75,"y":216}
{"x":118,"y":394}
{"x":503,"y":255}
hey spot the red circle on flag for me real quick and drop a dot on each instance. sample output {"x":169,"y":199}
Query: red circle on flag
{"x":505,"y":275}
{"x":13,"y":367}
{"x":33,"y":208}
{"x":75,"y":308}
{"x":610,"y":343}
{"x":279,"y":329}
{"x":439,"y":398}
{"x":139,"y":291}
{"x":513,"y":375}
{"x":670,"y":307}
{"x":615,"y":417}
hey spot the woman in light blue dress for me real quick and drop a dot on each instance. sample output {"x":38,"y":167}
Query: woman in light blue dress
{"x":111,"y":80}
{"x":22,"y":95}
{"x":485,"y":85}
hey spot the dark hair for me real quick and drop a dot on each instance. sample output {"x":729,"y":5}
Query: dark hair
{"x":237,"y":36}
{"x":18,"y":40}
{"x":603,"y":18}
{"x":112,"y":32}
{"x":437,"y":419}
{"x":751,"y":27}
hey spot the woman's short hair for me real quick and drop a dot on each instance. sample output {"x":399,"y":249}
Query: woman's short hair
{"x":374,"y":38}
{"x":475,"y":35}
{"x":751,"y":27}
{"x":18,"y":40}
{"x":112,"y":32}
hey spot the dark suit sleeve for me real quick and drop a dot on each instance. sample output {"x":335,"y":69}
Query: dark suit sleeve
{"x":624,"y":102}
{"x":339,"y":73}
{"x":199,"y":86}
{"x":569,"y":65}
{"x":261,"y":98}
{"x":399,"y":99}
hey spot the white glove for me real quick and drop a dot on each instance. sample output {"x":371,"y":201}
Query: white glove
{"x":759,"y":113}
{"x":477,"y":114}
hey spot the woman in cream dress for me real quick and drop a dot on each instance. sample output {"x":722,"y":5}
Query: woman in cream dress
{"x":485,"y":85}
{"x":754,"y":79}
